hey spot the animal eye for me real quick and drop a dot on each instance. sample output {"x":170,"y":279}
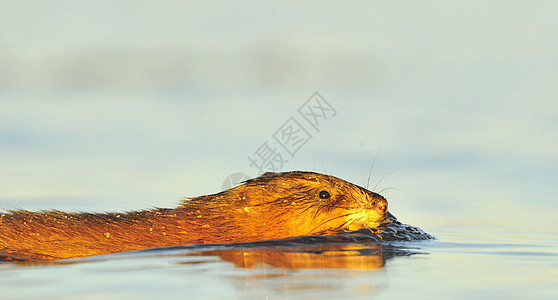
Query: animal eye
{"x":324,"y":194}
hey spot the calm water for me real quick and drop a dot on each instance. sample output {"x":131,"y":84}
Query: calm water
{"x":112,"y":107}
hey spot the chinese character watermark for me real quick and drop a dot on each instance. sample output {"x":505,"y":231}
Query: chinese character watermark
{"x":267,"y":158}
{"x":316,"y":109}
{"x":291,"y":137}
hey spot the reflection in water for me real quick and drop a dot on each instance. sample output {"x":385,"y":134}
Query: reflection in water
{"x":315,"y":262}
{"x":351,"y":256}
{"x":304,"y":268}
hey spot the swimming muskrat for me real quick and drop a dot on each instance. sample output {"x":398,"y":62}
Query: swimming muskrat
{"x":272,"y":206}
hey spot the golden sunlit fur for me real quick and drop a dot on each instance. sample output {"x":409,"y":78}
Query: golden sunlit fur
{"x":272,"y":206}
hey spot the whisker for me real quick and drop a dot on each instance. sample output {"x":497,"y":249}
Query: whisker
{"x":325,"y":171}
{"x":314,"y":161}
{"x":382,"y":180}
{"x":344,"y":223}
{"x":372,"y":166}
{"x":389,"y":188}
{"x":329,"y":221}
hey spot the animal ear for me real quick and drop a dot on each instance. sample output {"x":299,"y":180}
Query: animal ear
{"x":264,"y":177}
{"x":269,"y":174}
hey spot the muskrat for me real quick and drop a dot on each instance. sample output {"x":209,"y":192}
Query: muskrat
{"x":272,"y":206}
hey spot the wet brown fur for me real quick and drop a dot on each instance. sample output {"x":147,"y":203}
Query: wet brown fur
{"x":272,"y":206}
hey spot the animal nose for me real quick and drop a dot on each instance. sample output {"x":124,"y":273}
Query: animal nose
{"x":382,"y":205}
